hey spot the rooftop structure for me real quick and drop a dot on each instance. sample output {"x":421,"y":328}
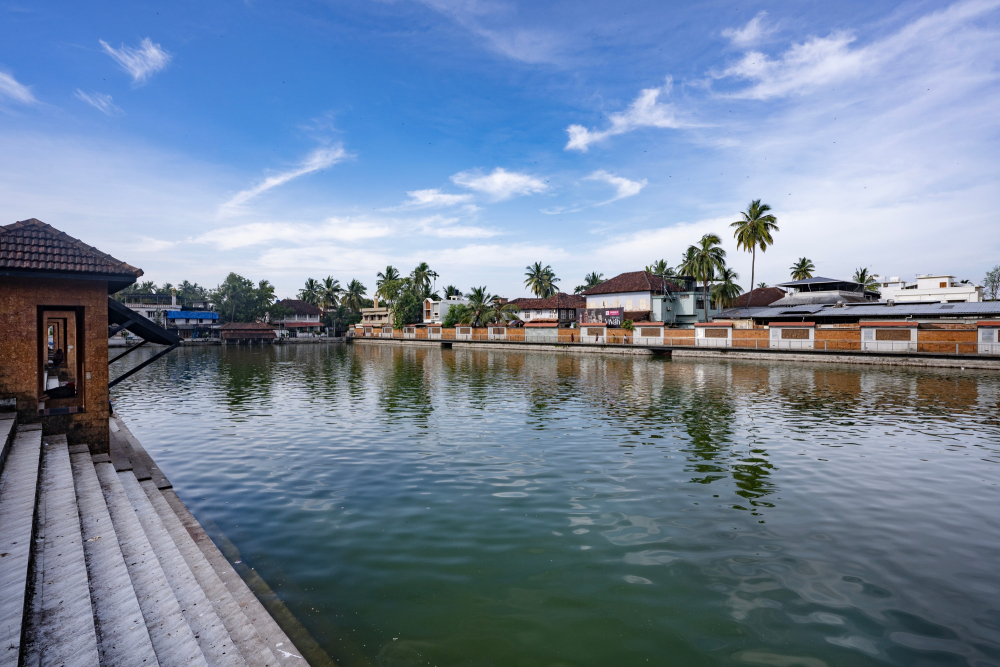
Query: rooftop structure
{"x":931,"y":287}
{"x":825,"y":291}
{"x":435,"y":312}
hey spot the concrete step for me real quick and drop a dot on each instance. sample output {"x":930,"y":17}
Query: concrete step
{"x":272,"y":634}
{"x":18,"y":493}
{"x":215,"y":642}
{"x":172,"y":637}
{"x":251,"y":646}
{"x":122,"y":638}
{"x":7,"y":429}
{"x":62,"y":621}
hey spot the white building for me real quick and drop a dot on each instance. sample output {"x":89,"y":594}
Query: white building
{"x":436,"y":311}
{"x":930,"y":287}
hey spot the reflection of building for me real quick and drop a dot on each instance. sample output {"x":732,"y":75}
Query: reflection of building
{"x":647,"y":297}
{"x":561,"y":309}
{"x":435,"y":312}
{"x":930,"y":287}
{"x":302,"y":317}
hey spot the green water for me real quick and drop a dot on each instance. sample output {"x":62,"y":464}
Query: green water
{"x":458,"y":507}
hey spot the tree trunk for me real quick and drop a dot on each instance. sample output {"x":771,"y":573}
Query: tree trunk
{"x":753,"y":266}
{"x":704,"y":290}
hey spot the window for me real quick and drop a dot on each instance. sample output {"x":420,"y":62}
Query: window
{"x":868,"y":334}
{"x":60,"y":360}
{"x":988,"y":335}
{"x":643,"y":304}
{"x":616,"y":303}
{"x":628,"y":304}
{"x":942,"y":285}
{"x":699,"y":304}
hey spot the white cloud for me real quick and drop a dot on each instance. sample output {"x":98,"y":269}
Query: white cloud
{"x":101,"y":102}
{"x":623,"y":186}
{"x":257,"y":233}
{"x":500,"y":184}
{"x":142,"y":62}
{"x":433,"y":198}
{"x":321,"y":158}
{"x":14,"y":90}
{"x":446,"y":228}
{"x":645,"y":111}
{"x":750,"y":34}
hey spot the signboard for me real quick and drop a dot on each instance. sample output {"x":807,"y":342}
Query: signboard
{"x":614,"y":317}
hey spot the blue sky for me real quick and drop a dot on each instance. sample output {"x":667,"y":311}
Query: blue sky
{"x":289,"y":140}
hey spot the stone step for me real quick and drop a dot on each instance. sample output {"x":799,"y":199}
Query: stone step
{"x":268,"y":629}
{"x":7,"y":430}
{"x":18,"y":493}
{"x":122,"y":638}
{"x":172,"y":637}
{"x":251,"y":646}
{"x":215,"y":642}
{"x":62,"y":620}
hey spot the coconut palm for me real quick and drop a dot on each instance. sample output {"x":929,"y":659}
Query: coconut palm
{"x":480,"y":305}
{"x":311,"y":292}
{"x":330,"y":292}
{"x":499,"y":311}
{"x":660,"y":268}
{"x":864,"y":277}
{"x":754,"y":231}
{"x":802,"y":269}
{"x":451,"y":291}
{"x":762,"y":285}
{"x":592,"y":279}
{"x":541,"y":281}
{"x":422,"y":276}
{"x":726,"y":290}
{"x":354,"y":296}
{"x":385,"y":286}
{"x":703,"y":261}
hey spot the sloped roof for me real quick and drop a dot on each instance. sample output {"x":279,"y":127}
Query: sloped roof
{"x":35,"y":247}
{"x":247,"y":326}
{"x":762,"y":296}
{"x":560,"y":300}
{"x":634,"y":281}
{"x":299,"y":307}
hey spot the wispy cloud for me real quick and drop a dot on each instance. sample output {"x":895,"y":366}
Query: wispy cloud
{"x":500,"y":184}
{"x":645,"y":111}
{"x":140,"y":63}
{"x":11,"y":89}
{"x":321,"y":158}
{"x":256,"y":233}
{"x":433,"y":198}
{"x":100,"y":101}
{"x":624,"y":187}
{"x":452,"y":228}
{"x":751,"y":34}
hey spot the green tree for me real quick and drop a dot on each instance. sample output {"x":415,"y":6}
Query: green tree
{"x":703,"y":261}
{"x":592,"y":279}
{"x":312,"y":292}
{"x":991,"y":283}
{"x":406,"y":308}
{"x":726,"y":291}
{"x":329,"y":293}
{"x":540,"y":280}
{"x":500,"y":311}
{"x":866,"y":278}
{"x":754,"y":231}
{"x":422,"y":277}
{"x":385,"y":283}
{"x":762,"y":285}
{"x":354,"y":296}
{"x":457,"y":314}
{"x":238,"y":300}
{"x":451,"y":290}
{"x":802,"y":269}
{"x":660,"y":268}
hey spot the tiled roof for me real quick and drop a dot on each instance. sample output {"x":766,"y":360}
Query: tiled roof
{"x":634,"y":281}
{"x":300,"y":307}
{"x":560,"y":300}
{"x":762,"y":296}
{"x":247,"y":326}
{"x":638,"y":315}
{"x":32,"y":245}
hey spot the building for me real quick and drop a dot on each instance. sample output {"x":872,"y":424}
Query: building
{"x":302,"y":318}
{"x":643,"y":296}
{"x":968,"y":313}
{"x":153,"y":307}
{"x":759,"y":298}
{"x":824,"y":291}
{"x":931,"y":287}
{"x":376,"y":316}
{"x":562,"y":309}
{"x":193,"y":324}
{"x":55,"y":317}
{"x":247,"y":333}
{"x":435,"y":312}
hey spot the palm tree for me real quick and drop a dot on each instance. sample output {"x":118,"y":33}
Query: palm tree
{"x":499,"y":311}
{"x":762,"y":285}
{"x":703,"y":261}
{"x":422,"y":277}
{"x":541,"y":281}
{"x":451,"y":291}
{"x":867,"y":279}
{"x":592,"y":279}
{"x":354,"y":296}
{"x":754,"y":231}
{"x":480,"y":303}
{"x":802,"y":269}
{"x":311,"y":292}
{"x":384,"y":287}
{"x":660,"y":268}
{"x":726,"y":290}
{"x":330,"y":292}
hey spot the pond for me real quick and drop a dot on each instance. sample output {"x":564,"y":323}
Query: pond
{"x":420,"y":506}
